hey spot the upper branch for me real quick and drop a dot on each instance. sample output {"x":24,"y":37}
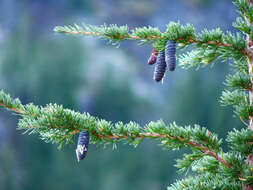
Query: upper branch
{"x":175,"y":31}
{"x":128,"y":36}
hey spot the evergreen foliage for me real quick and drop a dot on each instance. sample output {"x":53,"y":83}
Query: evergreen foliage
{"x":212,"y":167}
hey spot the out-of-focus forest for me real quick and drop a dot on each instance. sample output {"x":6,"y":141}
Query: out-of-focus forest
{"x":88,"y":75}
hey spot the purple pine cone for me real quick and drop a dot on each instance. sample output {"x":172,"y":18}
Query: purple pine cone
{"x":160,"y":67}
{"x":170,"y":54}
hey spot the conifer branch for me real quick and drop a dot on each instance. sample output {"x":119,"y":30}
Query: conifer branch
{"x":204,"y":149}
{"x":214,"y":168}
{"x":205,"y":182}
{"x":175,"y":31}
{"x":56,"y":125}
{"x":77,"y":31}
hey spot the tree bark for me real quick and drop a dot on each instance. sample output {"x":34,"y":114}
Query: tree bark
{"x":250,"y":69}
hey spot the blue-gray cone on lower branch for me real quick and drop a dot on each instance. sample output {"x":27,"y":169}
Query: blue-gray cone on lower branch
{"x":82,"y":145}
{"x":170,"y":54}
{"x":160,"y":67}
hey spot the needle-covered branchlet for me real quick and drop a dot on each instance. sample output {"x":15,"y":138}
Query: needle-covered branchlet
{"x":191,"y":143}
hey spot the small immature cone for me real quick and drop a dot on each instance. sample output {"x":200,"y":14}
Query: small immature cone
{"x":153,"y":56}
{"x":82,"y":145}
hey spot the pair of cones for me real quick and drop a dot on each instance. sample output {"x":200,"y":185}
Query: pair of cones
{"x":163,"y":59}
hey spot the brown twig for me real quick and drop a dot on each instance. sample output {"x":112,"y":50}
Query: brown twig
{"x":204,"y":149}
{"x":12,"y":109}
{"x":129,"y":36}
{"x":246,"y":124}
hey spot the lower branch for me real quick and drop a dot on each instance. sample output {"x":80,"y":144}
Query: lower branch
{"x":63,"y":124}
{"x":191,"y":143}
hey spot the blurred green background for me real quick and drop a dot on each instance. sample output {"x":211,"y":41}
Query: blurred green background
{"x":88,"y":75}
